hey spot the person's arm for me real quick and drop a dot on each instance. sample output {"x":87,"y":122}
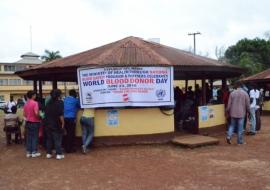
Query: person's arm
{"x":61,"y":113}
{"x":229,"y":104}
{"x":36,"y":109}
{"x":78,"y":103}
{"x":24,"y":114}
{"x":247,"y":103}
{"x":62,"y":121}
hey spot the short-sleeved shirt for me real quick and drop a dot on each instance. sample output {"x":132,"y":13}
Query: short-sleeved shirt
{"x":53,"y":111}
{"x":10,"y":105}
{"x":71,"y":106}
{"x":29,"y":109}
{"x":254,"y":94}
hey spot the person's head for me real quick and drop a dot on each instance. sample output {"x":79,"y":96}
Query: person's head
{"x":31,"y":94}
{"x":197,"y":86}
{"x":14,"y":109}
{"x":55,"y":94}
{"x":237,"y":84}
{"x":73,"y":93}
{"x":189,"y":88}
{"x":11,"y":98}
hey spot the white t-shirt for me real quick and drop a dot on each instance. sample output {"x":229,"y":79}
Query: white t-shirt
{"x":9,"y":106}
{"x":254,"y":94}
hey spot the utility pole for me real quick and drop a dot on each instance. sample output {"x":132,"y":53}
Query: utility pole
{"x":194,"y":38}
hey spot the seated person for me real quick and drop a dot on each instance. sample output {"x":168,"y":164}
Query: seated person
{"x":9,"y":124}
{"x":186,"y":112}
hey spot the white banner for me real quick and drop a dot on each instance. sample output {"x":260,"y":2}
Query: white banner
{"x":125,"y":86}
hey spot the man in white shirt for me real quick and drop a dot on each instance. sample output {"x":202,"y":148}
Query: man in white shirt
{"x":10,"y":104}
{"x":254,"y":95}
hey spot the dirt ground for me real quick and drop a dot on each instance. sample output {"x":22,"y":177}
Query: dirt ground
{"x":150,"y":167}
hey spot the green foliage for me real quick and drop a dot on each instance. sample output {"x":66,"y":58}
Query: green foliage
{"x":50,"y":55}
{"x":254,"y":55}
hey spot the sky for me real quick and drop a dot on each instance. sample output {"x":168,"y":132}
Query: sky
{"x":73,"y":26}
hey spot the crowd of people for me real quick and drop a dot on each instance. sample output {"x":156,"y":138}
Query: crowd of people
{"x":245,"y":103}
{"x":53,"y":122}
{"x":186,"y":102}
{"x":242,"y":103}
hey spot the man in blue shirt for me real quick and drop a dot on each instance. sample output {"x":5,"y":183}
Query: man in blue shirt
{"x":71,"y":107}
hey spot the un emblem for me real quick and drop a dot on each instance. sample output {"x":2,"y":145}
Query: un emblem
{"x":160,"y":93}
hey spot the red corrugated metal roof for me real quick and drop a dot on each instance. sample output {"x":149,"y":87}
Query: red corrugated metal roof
{"x":262,"y":76}
{"x":133,"y":51}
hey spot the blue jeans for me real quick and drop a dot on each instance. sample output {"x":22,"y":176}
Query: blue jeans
{"x":253,"y":120}
{"x":239,"y":123}
{"x":87,"y":124}
{"x":32,"y":136}
{"x":54,"y":138}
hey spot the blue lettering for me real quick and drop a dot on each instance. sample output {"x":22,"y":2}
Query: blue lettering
{"x":93,"y":83}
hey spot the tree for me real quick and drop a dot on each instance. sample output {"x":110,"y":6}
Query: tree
{"x":50,"y":55}
{"x":253,"y":55}
{"x":267,"y":35}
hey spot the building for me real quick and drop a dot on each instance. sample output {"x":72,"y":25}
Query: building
{"x":12,"y":85}
{"x":126,"y":125}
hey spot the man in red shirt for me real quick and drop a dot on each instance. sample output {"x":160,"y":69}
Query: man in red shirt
{"x":31,"y":114}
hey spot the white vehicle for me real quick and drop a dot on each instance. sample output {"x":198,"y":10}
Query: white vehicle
{"x":3,"y":104}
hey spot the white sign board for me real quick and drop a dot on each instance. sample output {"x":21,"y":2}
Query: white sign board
{"x":125,"y":86}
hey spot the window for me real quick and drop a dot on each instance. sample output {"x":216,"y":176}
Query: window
{"x":71,"y":83}
{"x":20,"y":67}
{"x":9,"y":68}
{"x":3,"y":82}
{"x":27,"y":82}
{"x":14,"y":82}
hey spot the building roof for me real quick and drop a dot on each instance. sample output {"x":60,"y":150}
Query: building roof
{"x":263,"y":76}
{"x":133,"y":51}
{"x":29,"y":58}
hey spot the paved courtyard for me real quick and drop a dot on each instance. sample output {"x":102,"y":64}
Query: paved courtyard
{"x":150,"y":167}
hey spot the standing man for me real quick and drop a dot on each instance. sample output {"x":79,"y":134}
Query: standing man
{"x":31,"y":114}
{"x":238,"y":106}
{"x":254,"y":95}
{"x":71,"y":107}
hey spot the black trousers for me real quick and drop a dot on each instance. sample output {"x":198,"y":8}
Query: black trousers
{"x":68,"y":143}
{"x":258,"y":119}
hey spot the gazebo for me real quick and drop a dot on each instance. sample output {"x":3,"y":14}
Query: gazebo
{"x":262,"y":79}
{"x":134,"y":52}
